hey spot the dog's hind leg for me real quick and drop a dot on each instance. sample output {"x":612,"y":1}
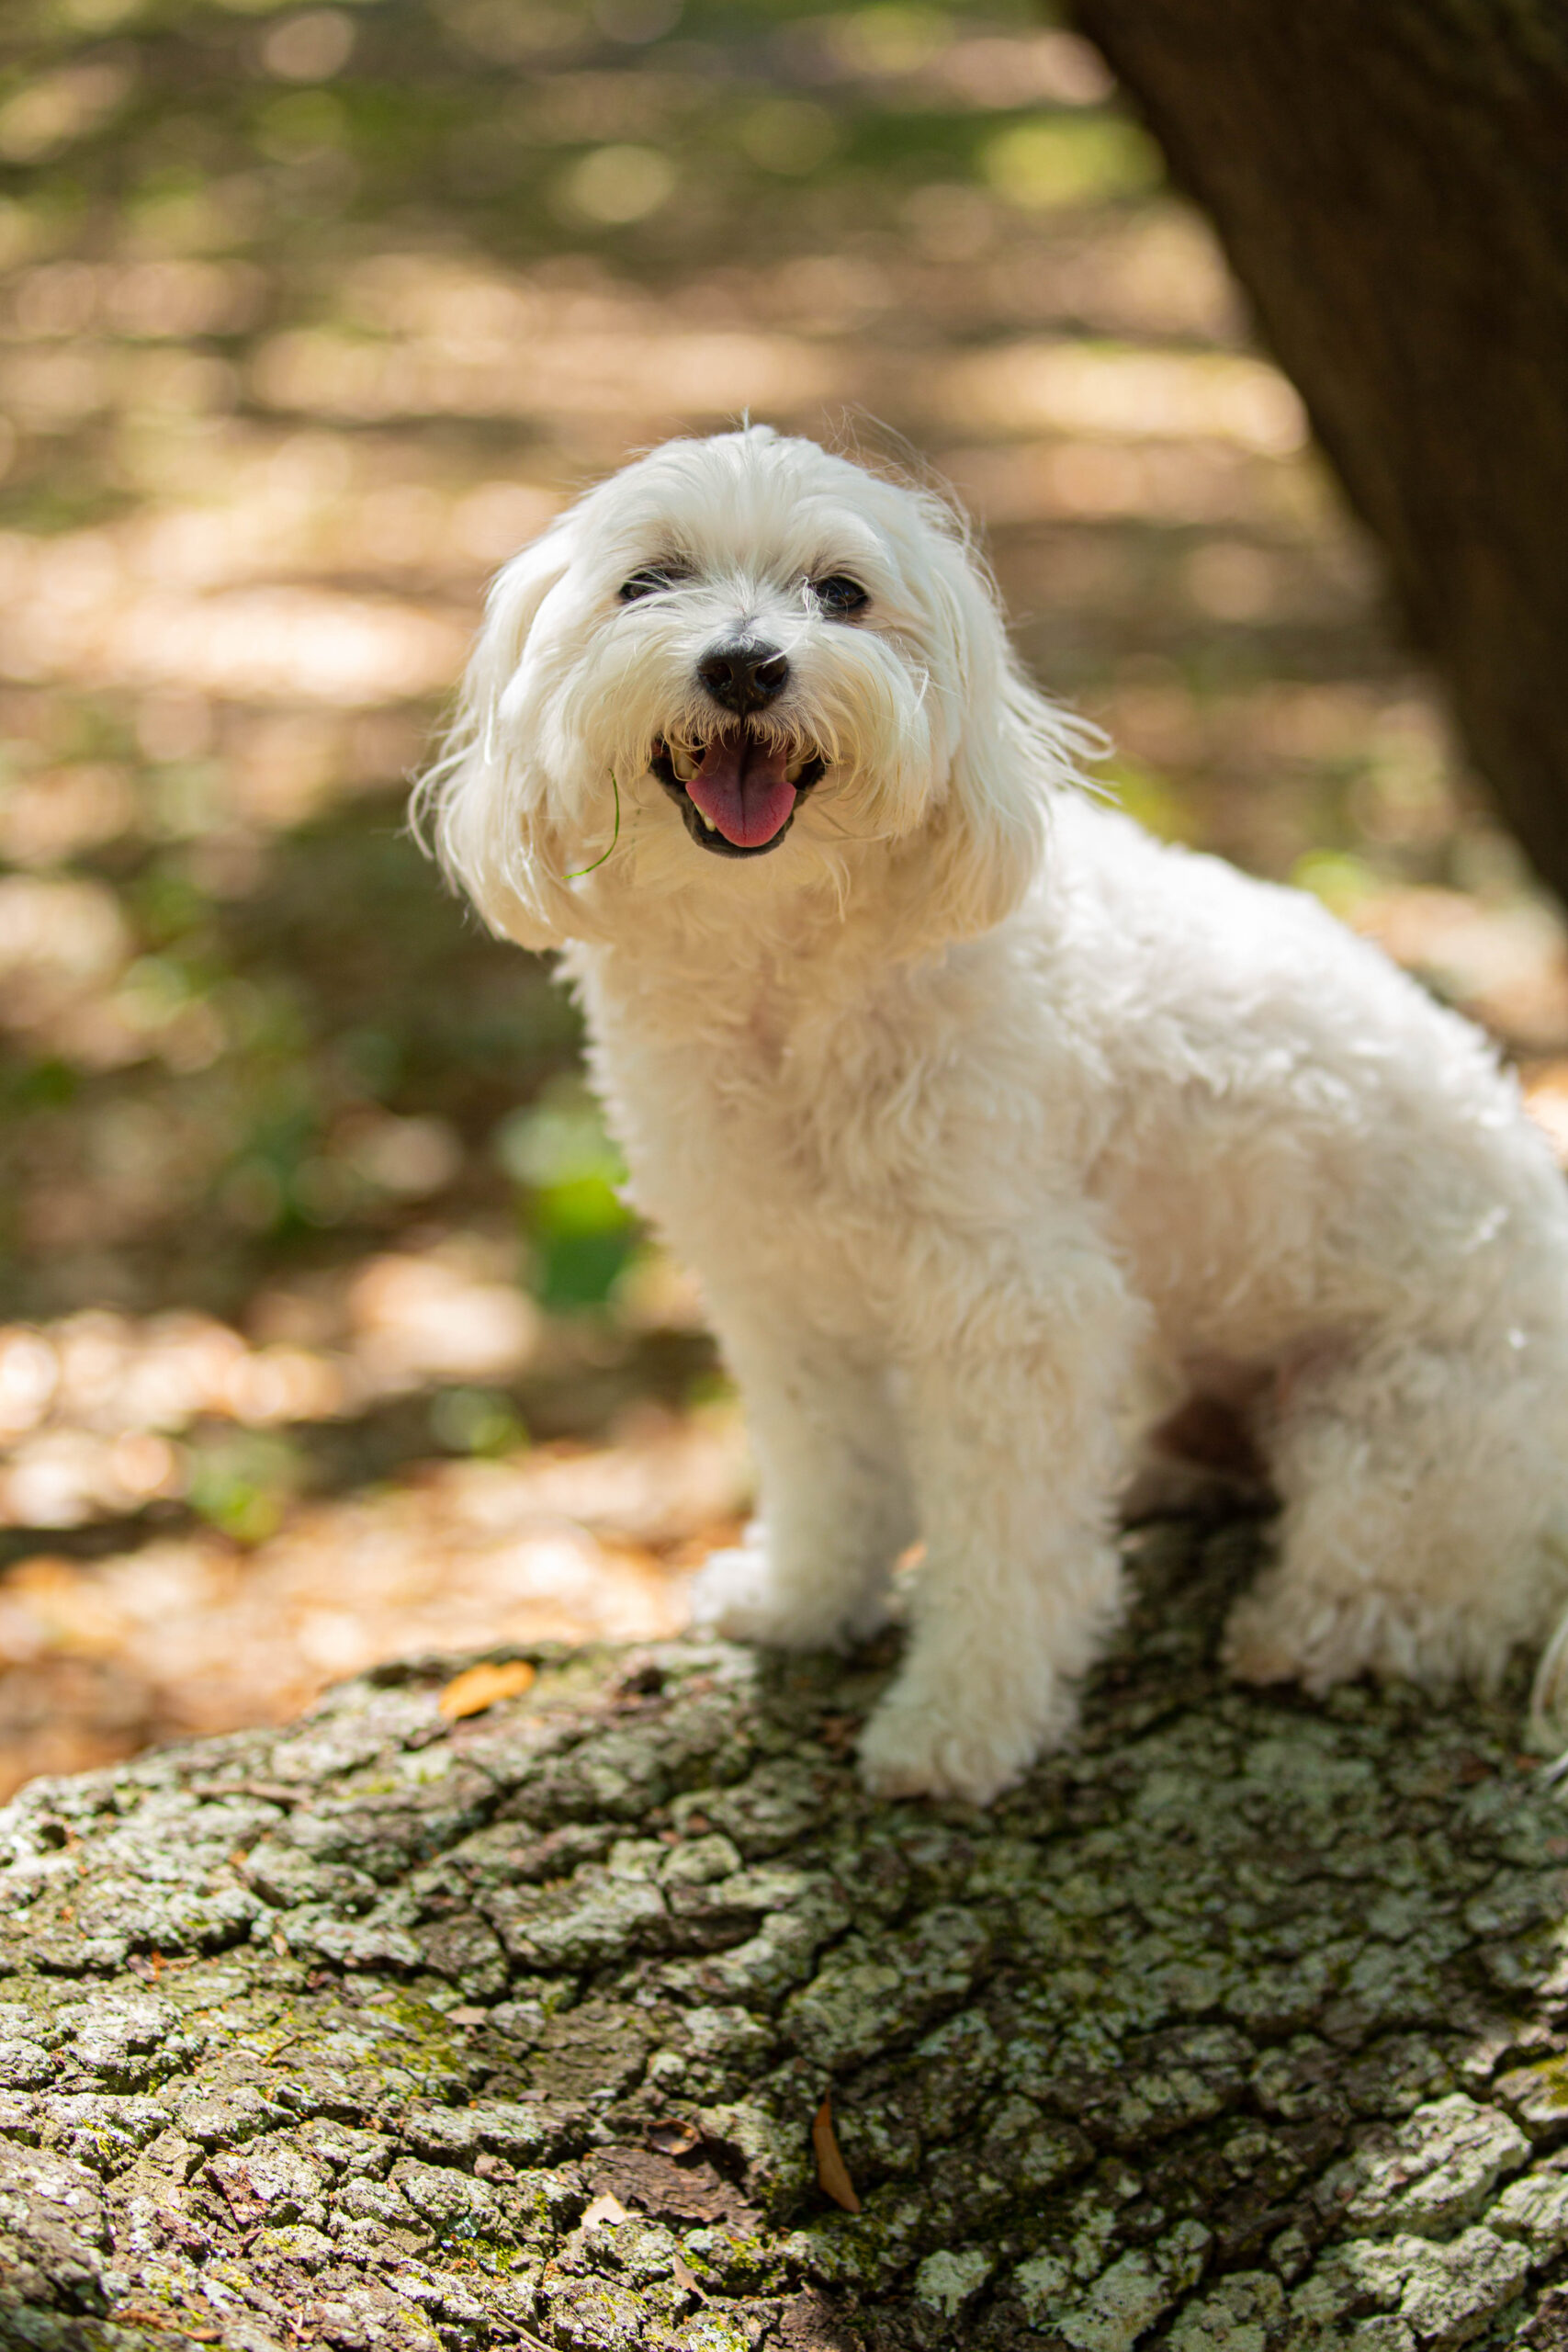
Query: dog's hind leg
{"x":813,"y":1569}
{"x":1419,"y":1486}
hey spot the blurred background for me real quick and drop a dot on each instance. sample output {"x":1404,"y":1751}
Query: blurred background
{"x":323,"y":1336}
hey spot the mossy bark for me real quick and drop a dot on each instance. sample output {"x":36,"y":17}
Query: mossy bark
{"x":1236,"y":2028}
{"x":1390,"y":179}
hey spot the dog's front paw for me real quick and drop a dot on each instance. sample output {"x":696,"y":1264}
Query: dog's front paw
{"x":1259,"y":1647}
{"x":739,"y":1595}
{"x":1290,"y":1630}
{"x":922,"y":1747}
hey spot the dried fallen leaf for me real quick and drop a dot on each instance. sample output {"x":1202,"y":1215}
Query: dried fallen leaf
{"x":481,"y":1686}
{"x":673,"y":2136}
{"x":685,"y":2277}
{"x":468,"y":2016}
{"x":833,"y":2173}
{"x":604,"y":2207}
{"x":166,"y":2323}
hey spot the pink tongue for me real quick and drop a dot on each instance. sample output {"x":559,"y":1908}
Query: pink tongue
{"x":742,"y":787}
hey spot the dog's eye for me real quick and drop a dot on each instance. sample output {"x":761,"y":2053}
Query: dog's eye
{"x":652,"y":581}
{"x":840,"y":596}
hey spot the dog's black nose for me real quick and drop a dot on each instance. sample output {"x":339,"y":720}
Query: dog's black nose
{"x":743,"y":673}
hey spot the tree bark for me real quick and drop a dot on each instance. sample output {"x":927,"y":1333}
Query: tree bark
{"x":1239,"y":2029}
{"x":1390,"y":179}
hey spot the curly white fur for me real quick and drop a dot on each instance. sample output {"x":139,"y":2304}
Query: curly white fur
{"x":981,"y":1114}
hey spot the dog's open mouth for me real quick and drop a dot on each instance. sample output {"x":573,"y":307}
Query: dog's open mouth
{"x":738,"y":791}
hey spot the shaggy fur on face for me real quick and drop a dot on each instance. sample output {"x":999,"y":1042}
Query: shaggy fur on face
{"x":994,"y":1127}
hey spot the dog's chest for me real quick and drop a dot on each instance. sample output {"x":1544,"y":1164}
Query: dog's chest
{"x":777,"y":1136}
{"x":746,"y":1113}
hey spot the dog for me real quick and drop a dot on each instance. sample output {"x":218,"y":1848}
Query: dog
{"x":992,"y":1125}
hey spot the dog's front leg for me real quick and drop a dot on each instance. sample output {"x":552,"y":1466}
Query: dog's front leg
{"x":835,"y":1511}
{"x":1012,"y":1439}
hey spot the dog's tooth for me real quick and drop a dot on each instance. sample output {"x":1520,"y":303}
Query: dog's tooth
{"x":707,"y":819}
{"x":683,"y":763}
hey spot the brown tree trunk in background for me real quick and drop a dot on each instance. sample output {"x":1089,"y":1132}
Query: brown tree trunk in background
{"x":1390,"y":179}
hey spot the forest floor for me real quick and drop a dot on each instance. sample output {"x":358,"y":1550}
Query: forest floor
{"x":323,"y":1336}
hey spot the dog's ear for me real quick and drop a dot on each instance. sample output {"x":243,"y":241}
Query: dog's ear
{"x":1011,"y":753}
{"x":483,"y":806}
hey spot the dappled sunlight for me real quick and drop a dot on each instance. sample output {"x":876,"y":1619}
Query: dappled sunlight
{"x":1125,"y":395}
{"x":91,"y":1404}
{"x":1506,"y":965}
{"x":619,"y":371}
{"x":106,"y":1415}
{"x":563,"y":1544}
{"x":69,"y":615}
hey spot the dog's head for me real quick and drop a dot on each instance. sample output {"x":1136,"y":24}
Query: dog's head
{"x":740,"y":670}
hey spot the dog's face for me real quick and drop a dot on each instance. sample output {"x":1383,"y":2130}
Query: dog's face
{"x":741,"y":747}
{"x":739,"y":652}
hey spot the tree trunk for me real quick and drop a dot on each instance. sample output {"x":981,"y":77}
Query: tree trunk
{"x":1390,"y":179}
{"x":1239,"y":2025}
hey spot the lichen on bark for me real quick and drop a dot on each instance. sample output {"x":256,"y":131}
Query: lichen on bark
{"x":1235,"y":2028}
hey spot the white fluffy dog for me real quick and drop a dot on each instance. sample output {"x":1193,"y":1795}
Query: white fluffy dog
{"x":983,"y":1116}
